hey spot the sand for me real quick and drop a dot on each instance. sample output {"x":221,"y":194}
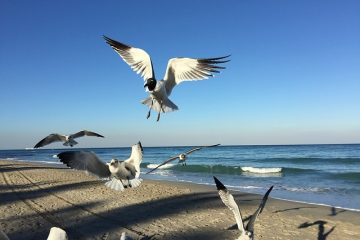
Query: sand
{"x":34,"y":198}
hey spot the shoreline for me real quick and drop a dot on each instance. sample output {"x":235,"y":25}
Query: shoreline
{"x":35,"y":197}
{"x":60,"y":165}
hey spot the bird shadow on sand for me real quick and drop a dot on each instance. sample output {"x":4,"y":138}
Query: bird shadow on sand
{"x":291,"y":209}
{"x":321,"y":228}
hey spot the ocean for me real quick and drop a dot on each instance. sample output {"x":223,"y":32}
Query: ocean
{"x":320,"y":174}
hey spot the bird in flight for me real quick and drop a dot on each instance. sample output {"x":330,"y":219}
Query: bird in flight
{"x":122,"y":173}
{"x":182,"y":157}
{"x":247,"y":233}
{"x":67,"y":139}
{"x":178,"y":70}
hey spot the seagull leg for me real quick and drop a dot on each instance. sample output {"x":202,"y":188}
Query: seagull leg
{"x":148,"y":115}
{"x":161,"y":109}
{"x":129,"y":184}
{"x":122,"y":183}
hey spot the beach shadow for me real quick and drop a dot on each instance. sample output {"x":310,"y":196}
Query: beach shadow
{"x":67,"y":214}
{"x":16,"y":195}
{"x":12,"y":168}
{"x":335,"y":212}
{"x":98,"y":223}
{"x":321,"y":231}
{"x":291,"y":209}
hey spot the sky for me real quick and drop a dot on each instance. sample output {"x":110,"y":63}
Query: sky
{"x":293,"y":78}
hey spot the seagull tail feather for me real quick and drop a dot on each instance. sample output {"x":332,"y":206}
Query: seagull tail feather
{"x":168,"y":105}
{"x":115,"y":184}
{"x":135,"y":182}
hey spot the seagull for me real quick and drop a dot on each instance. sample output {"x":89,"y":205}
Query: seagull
{"x":67,"y":139}
{"x":178,"y":70}
{"x":247,"y":233}
{"x":182,"y":157}
{"x":117,"y":170}
{"x":57,"y":234}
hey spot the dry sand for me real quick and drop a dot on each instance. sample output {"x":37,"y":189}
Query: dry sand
{"x":34,"y":198}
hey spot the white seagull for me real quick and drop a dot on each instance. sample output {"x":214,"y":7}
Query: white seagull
{"x":57,"y":234}
{"x":178,"y":70}
{"x":247,"y":233}
{"x":182,"y":157}
{"x":67,"y":139}
{"x":118,"y":171}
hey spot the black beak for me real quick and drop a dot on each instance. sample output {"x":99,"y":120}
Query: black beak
{"x":146,"y":85}
{"x":140,"y":146}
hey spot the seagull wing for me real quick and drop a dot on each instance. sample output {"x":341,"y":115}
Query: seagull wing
{"x":54,"y":137}
{"x":85,"y":133}
{"x":251,"y":223}
{"x":229,"y":201}
{"x":198,"y":148}
{"x":87,"y":161}
{"x":191,"y":69}
{"x":136,"y":158}
{"x":136,"y":58}
{"x":165,"y":162}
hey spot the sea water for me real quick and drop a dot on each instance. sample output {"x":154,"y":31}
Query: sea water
{"x":321,"y":174}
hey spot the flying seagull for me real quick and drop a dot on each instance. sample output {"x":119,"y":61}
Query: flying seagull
{"x":182,"y":157}
{"x":247,"y":233}
{"x":117,"y":170}
{"x":67,"y":139}
{"x":178,"y":70}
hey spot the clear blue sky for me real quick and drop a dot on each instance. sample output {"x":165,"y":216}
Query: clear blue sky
{"x":294,"y":75}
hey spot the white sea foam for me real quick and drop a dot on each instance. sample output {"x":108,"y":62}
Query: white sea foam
{"x":165,"y":166}
{"x":261,"y":170}
{"x":10,"y":158}
{"x":308,"y":189}
{"x":319,"y":204}
{"x":55,"y":156}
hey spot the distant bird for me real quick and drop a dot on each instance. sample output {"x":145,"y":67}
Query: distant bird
{"x":182,"y":157}
{"x":118,"y":171}
{"x":67,"y":139}
{"x":178,"y":70}
{"x":247,"y":233}
{"x":57,"y":234}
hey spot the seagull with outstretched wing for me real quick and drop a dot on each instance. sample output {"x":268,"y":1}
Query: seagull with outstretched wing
{"x":178,"y":70}
{"x":67,"y":139}
{"x":247,"y":233}
{"x":182,"y":157}
{"x":118,"y":171}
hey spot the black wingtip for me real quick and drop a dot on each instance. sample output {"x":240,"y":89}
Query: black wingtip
{"x":65,"y":157}
{"x":268,"y":191}
{"x":141,"y":147}
{"x":219,"y":184}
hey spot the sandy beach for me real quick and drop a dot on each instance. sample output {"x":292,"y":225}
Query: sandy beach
{"x":34,"y":198}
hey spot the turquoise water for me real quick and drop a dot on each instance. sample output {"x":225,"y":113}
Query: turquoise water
{"x":322,"y":174}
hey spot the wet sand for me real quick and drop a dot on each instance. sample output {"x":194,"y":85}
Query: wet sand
{"x":34,"y":198}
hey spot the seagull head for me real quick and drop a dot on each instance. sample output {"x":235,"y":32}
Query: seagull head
{"x":113,"y":162}
{"x":150,"y":84}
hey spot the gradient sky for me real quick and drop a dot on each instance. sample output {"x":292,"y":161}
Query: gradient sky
{"x":294,"y":75}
